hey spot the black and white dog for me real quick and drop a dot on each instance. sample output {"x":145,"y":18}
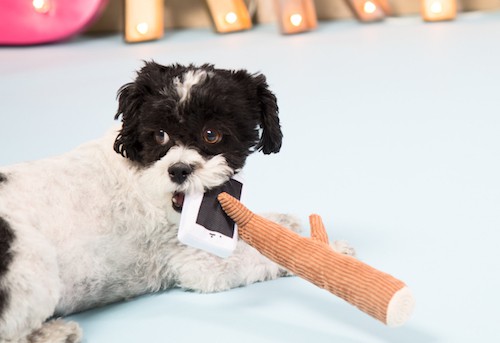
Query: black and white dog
{"x":99,"y":224}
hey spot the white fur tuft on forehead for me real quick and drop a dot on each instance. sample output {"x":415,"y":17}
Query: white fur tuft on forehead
{"x":189,"y":79}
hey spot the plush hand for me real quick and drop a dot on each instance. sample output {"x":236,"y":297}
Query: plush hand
{"x":376,"y":293}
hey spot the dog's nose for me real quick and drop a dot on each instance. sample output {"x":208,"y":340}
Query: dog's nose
{"x":179,"y":172}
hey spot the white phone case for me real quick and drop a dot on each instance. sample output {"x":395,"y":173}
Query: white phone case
{"x":205,"y":225}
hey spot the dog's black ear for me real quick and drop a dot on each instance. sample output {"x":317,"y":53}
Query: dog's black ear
{"x":129,"y":102}
{"x":271,"y":137}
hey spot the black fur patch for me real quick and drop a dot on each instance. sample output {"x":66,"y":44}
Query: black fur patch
{"x":3,"y":178}
{"x":6,"y":238}
{"x":233,"y":103}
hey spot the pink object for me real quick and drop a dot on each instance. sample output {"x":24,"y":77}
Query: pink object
{"x":27,"y":22}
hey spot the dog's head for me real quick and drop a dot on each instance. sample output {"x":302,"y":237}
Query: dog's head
{"x":191,"y":128}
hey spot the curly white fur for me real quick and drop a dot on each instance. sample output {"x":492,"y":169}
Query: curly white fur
{"x":104,"y":230}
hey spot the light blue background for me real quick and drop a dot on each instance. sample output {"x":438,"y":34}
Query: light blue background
{"x":391,"y":134}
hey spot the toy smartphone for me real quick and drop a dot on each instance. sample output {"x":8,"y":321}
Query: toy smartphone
{"x":205,"y":225}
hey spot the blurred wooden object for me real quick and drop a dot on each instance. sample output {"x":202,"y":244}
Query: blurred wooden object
{"x":194,"y":13}
{"x":229,"y":15}
{"x":143,"y":20}
{"x":480,"y":5}
{"x":438,"y":10}
{"x":386,"y":7}
{"x":296,"y":16}
{"x":366,"y":10}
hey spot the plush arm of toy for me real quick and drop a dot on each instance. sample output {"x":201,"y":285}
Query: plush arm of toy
{"x":376,"y":293}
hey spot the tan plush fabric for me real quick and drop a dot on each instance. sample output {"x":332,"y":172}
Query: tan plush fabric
{"x":367,"y":288}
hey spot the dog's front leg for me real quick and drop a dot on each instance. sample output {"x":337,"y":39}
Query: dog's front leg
{"x":202,"y":272}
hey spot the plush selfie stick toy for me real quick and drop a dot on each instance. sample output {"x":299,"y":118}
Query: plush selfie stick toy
{"x":376,"y":293}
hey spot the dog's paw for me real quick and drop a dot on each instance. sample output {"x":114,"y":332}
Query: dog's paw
{"x":343,"y":247}
{"x":57,"y":331}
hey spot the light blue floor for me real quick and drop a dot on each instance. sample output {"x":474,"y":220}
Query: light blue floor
{"x":392,"y":134}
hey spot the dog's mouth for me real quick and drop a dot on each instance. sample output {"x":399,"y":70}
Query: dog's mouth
{"x":178,"y":201}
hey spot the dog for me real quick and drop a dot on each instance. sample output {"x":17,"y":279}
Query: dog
{"x":99,"y":224}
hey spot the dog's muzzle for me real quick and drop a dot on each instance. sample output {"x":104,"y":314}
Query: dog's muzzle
{"x":178,"y":173}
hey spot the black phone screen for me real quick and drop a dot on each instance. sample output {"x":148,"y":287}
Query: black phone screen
{"x":211,"y":215}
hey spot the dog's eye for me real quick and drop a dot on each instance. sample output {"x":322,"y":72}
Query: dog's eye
{"x":212,"y":136}
{"x":161,"y":137}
